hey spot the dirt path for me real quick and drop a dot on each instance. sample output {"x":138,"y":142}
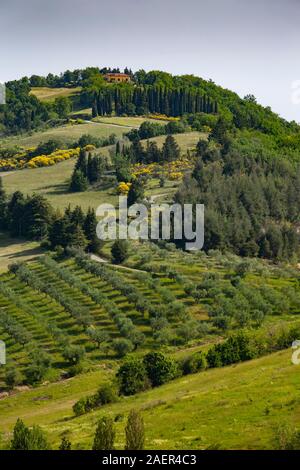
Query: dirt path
{"x":111,"y":124}
{"x":156,"y":196}
{"x":98,"y":259}
{"x":7,"y":173}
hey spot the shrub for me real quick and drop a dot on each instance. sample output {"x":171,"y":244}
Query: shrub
{"x":287,"y":438}
{"x":132,"y":377}
{"x":73,"y":354}
{"x":159,"y":368}
{"x":41,"y":363}
{"x":13,"y":377}
{"x":235,"y":349}
{"x":122,"y":346}
{"x":79,"y":408}
{"x":106,"y":394}
{"x":65,"y":444}
{"x":194,"y":363}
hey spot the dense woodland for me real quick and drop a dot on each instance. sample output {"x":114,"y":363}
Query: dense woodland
{"x":252,"y":204}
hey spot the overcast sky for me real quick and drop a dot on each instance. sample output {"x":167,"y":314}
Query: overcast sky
{"x":246,"y":46}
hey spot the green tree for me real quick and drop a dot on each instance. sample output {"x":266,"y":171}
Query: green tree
{"x":135,"y":431}
{"x":122,"y":346}
{"x":63,"y":106}
{"x":40,"y":363}
{"x":98,"y":336}
{"x":28,"y":439}
{"x":105,"y":434}
{"x":132,"y":377}
{"x":13,"y":377}
{"x":89,"y":227}
{"x":159,"y":368}
{"x":170,"y":150}
{"x":120,"y":251}
{"x":76,"y":237}
{"x":73,"y":354}
{"x":79,"y":182}
{"x":65,"y":444}
{"x":81,"y":163}
{"x":136,"y":192}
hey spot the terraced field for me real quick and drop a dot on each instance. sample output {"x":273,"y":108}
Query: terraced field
{"x":53,"y":303}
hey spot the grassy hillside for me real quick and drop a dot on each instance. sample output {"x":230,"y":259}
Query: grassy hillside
{"x":237,"y":407}
{"x":127,"y":121}
{"x":12,"y":249}
{"x":50,"y":94}
{"x":53,"y":181}
{"x":66,"y":134}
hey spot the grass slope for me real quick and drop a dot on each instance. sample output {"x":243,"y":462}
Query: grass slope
{"x":14,"y":249}
{"x":53,"y":181}
{"x":127,"y":121}
{"x":237,"y":407}
{"x":50,"y":94}
{"x":66,"y":134}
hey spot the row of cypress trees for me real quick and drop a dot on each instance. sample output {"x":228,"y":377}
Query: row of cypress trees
{"x":154,"y":99}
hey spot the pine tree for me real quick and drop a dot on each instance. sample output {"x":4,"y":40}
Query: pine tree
{"x":94,"y":168}
{"x":104,"y":435}
{"x":119,"y":251}
{"x":89,"y":227}
{"x":28,"y":439}
{"x":170,"y":150}
{"x":79,"y":182}
{"x":16,"y":209}
{"x":21,"y":437}
{"x":59,"y":232}
{"x":135,"y":431}
{"x":37,"y":217}
{"x":136,"y":192}
{"x":77,"y":237}
{"x":77,"y":216}
{"x":81,"y":163}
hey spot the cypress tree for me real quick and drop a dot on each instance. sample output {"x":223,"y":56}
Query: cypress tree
{"x":89,"y":227}
{"x":104,"y":435}
{"x":135,"y":431}
{"x":81,"y":163}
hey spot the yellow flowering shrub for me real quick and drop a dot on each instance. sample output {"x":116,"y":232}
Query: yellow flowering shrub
{"x":123,"y":188}
{"x":89,"y":148}
{"x":176,"y":176}
{"x":20,"y":161}
{"x":55,"y":157}
{"x":163,"y":117}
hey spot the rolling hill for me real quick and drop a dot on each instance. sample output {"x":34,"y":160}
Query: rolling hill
{"x":237,"y":407}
